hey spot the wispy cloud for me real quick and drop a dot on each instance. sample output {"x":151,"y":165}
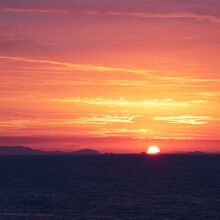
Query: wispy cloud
{"x":153,"y":76}
{"x":139,"y":14}
{"x":105,"y":119}
{"x":172,"y":15}
{"x":124,"y":102}
{"x":34,"y":10}
{"x":83,"y":67}
{"x":84,"y":120}
{"x":135,"y":133}
{"x":185,"y":79}
{"x":192,"y":120}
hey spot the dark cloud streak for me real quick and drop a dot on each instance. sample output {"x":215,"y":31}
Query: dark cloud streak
{"x":205,"y":10}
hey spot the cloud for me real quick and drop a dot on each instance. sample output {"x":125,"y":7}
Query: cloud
{"x":186,"y":79}
{"x":83,"y":67}
{"x":124,"y":132}
{"x":124,"y":102}
{"x":192,"y":120}
{"x":116,"y":13}
{"x":174,"y":15}
{"x":87,"y":120}
{"x":18,"y":44}
{"x":155,"y":76}
{"x":106,"y":119}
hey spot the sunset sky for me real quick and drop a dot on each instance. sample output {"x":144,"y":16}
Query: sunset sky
{"x":113,"y":75}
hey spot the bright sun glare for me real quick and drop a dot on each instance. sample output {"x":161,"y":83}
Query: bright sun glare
{"x":153,"y":150}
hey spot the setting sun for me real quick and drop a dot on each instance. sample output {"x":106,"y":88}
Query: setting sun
{"x":153,"y":150}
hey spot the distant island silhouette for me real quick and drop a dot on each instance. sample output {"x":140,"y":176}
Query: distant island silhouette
{"x":22,"y":150}
{"x":86,"y":152}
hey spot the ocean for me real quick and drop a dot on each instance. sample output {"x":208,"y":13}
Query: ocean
{"x":102,"y":187}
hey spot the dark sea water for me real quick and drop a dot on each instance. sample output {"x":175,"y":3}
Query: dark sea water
{"x":165,"y":187}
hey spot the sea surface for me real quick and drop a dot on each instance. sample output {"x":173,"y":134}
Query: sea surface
{"x":165,"y":187}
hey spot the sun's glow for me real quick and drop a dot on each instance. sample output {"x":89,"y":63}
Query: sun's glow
{"x":129,"y":93}
{"x":153,"y":150}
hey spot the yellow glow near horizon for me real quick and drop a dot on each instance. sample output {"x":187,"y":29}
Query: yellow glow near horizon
{"x":112,"y":82}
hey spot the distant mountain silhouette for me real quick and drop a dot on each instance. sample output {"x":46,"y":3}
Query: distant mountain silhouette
{"x":86,"y":152}
{"x":18,"y":150}
{"x":143,"y":153}
{"x":21,"y":150}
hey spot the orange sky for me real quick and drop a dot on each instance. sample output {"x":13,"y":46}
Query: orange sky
{"x":116,"y":76}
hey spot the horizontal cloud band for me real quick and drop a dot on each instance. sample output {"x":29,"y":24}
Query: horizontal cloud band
{"x":140,"y":14}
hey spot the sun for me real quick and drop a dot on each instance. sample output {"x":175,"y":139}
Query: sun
{"x":153,"y":150}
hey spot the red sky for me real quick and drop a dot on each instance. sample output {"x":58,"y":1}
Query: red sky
{"x":116,"y":76}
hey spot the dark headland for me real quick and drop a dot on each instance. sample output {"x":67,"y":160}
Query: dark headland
{"x":21,"y":150}
{"x":86,"y":152}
